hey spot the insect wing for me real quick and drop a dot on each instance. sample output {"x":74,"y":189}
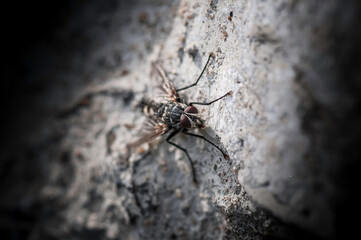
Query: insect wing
{"x":165,"y":84}
{"x":152,"y":133}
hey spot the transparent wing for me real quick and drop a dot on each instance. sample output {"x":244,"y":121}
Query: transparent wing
{"x":156,"y":130}
{"x":164,"y":83}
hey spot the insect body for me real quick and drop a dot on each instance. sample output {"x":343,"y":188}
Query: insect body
{"x":174,"y":114}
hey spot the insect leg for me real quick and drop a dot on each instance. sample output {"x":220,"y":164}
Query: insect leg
{"x":192,"y":85}
{"x":209,"y":103}
{"x":205,"y":139}
{"x":185,"y":151}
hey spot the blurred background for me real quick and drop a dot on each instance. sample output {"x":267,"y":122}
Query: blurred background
{"x":54,"y":185}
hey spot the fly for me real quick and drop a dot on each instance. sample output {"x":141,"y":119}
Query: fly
{"x":174,"y":114}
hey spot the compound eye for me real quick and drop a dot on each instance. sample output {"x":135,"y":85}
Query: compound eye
{"x":184,"y":121}
{"x":191,"y":110}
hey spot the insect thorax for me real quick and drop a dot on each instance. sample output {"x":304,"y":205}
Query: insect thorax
{"x":167,"y":112}
{"x":170,"y":113}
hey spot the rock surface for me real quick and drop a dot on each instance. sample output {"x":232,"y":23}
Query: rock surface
{"x":289,"y":127}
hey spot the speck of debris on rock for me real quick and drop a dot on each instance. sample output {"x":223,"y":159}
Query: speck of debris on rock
{"x":225,"y":35}
{"x":230,"y":16}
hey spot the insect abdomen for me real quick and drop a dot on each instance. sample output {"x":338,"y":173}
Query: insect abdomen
{"x":149,"y":107}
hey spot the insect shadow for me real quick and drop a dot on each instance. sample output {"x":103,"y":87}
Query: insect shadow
{"x":174,"y":115}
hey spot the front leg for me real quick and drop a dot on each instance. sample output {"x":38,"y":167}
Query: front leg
{"x":185,"y":151}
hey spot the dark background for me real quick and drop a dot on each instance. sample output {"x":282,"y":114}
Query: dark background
{"x":26,"y":27}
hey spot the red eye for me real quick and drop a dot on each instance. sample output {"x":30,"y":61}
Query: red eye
{"x":184,"y":121}
{"x":191,"y":109}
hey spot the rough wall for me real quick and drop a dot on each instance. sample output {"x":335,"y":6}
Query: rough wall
{"x":289,"y":126}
